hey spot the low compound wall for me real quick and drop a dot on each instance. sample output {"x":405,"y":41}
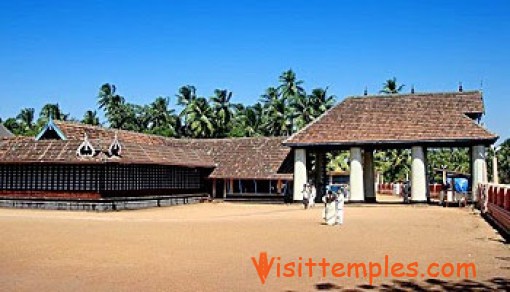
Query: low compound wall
{"x":115,"y":204}
{"x":494,"y":203}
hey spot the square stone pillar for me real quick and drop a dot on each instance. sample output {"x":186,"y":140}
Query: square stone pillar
{"x":300,"y":173}
{"x":356,"y":177}
{"x":479,"y":169}
{"x":369,"y":176}
{"x":320,"y":174}
{"x":418,"y":176}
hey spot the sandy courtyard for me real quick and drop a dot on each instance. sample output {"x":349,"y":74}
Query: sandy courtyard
{"x":208,"y":247}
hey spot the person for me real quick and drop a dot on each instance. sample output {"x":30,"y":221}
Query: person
{"x":330,"y":212}
{"x":313,"y":195}
{"x":340,"y":207}
{"x":406,"y":191}
{"x":306,"y":195}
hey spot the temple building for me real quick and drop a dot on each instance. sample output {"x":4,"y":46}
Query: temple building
{"x":71,"y":161}
{"x":410,"y":121}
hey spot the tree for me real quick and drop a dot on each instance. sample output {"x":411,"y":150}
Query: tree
{"x":162,"y":120}
{"x":199,"y":117}
{"x":222,"y":112}
{"x":186,"y":97}
{"x":503,"y":158}
{"x":53,"y":111}
{"x":452,"y":159}
{"x":391,"y":87}
{"x":394,"y":164}
{"x":307,"y":108}
{"x":277,"y":116}
{"x":338,"y":160}
{"x":90,"y":118}
{"x":290,"y":90}
{"x":321,"y":102}
{"x":12,"y":125}
{"x":247,"y":121}
{"x":113,"y":105}
{"x":26,"y":118}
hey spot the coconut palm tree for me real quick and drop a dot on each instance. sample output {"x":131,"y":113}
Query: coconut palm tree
{"x":277,"y":115}
{"x":113,"y":104}
{"x":248,"y":121}
{"x":90,"y":118}
{"x":52,"y":110}
{"x":391,"y":87}
{"x":186,"y":95}
{"x":26,"y":117}
{"x":162,"y":120}
{"x":222,"y":111}
{"x":290,"y":89}
{"x":199,"y":117}
{"x":321,"y":102}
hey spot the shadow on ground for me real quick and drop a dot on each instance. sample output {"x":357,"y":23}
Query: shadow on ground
{"x":497,"y":283}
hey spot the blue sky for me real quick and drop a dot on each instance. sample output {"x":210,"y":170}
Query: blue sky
{"x":62,"y":51}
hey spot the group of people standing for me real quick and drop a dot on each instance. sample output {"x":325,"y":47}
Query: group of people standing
{"x":333,"y":213}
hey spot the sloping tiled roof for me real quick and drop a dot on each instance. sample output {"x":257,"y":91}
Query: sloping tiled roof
{"x":59,"y":151}
{"x":4,"y":132}
{"x":393,"y":119}
{"x":241,"y":158}
{"x":246,"y":158}
{"x":73,"y":130}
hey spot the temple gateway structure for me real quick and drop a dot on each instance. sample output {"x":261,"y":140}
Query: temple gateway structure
{"x":412,"y":121}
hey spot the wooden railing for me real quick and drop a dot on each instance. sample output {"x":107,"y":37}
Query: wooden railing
{"x":494,"y":201}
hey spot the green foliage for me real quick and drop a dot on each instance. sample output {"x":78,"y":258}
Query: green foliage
{"x":90,"y":118}
{"x":391,"y":87}
{"x":503,"y":160}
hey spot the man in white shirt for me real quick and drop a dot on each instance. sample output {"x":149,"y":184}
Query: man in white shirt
{"x":313,"y":195}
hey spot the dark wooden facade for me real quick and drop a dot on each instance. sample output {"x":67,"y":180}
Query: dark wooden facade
{"x":105,"y":180}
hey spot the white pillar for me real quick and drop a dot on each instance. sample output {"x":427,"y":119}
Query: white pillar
{"x":369,"y":176}
{"x":418,"y":176}
{"x":495,"y":174}
{"x":299,"y":173}
{"x":356,"y":176}
{"x":479,"y":168}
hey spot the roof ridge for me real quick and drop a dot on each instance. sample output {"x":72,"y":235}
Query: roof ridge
{"x":414,"y":94}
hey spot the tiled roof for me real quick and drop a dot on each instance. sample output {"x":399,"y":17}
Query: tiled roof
{"x":4,"y":132}
{"x":59,"y":151}
{"x":393,"y":119}
{"x":242,"y":158}
{"x":246,"y":158}
{"x":73,"y":130}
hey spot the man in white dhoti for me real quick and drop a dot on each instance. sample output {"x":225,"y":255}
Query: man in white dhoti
{"x":340,"y":207}
{"x":330,"y":213}
{"x":313,"y":195}
{"x":306,"y":195}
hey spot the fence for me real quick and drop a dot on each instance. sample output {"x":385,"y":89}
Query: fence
{"x":494,"y":202}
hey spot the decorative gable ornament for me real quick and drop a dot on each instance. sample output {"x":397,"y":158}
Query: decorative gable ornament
{"x":85,"y":149}
{"x":115,"y":148}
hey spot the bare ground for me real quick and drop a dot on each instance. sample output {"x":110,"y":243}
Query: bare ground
{"x":208,"y":247}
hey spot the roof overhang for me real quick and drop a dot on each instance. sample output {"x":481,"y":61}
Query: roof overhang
{"x":392,"y":144}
